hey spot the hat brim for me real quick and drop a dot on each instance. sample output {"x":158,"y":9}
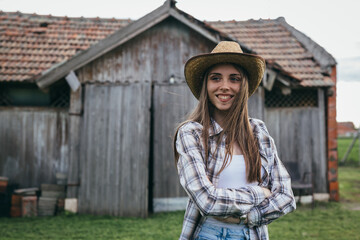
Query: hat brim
{"x":196,"y":66}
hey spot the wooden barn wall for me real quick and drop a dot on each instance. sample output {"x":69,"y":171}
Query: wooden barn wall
{"x":154,"y":56}
{"x":115,"y":150}
{"x":299,"y":134}
{"x":33,"y":145}
{"x":171,"y":105}
{"x":256,"y":104}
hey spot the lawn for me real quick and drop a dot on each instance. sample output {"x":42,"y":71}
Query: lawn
{"x":343,"y":145}
{"x":327,"y":221}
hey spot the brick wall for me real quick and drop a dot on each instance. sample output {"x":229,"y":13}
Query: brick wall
{"x":332,"y":142}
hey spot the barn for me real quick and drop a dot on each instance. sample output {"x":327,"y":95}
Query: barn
{"x":98,"y":99}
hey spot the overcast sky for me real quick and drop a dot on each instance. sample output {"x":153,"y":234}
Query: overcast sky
{"x":334,"y":24}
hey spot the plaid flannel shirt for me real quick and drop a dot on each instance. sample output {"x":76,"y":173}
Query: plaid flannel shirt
{"x":207,"y":200}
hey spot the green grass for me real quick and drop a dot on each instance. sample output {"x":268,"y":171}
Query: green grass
{"x":69,"y":226}
{"x":349,"y":179}
{"x":327,"y":221}
{"x":343,"y":145}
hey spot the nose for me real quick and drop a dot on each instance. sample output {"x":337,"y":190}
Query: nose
{"x":224,"y":85}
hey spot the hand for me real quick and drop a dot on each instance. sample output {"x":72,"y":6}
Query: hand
{"x":266,"y":192}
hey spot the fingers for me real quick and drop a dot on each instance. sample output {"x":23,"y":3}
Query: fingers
{"x":266,"y":192}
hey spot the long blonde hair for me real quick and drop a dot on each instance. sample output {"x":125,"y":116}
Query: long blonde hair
{"x":236,"y":126}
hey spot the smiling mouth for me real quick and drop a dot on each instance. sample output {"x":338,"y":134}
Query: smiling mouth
{"x":224,"y":98}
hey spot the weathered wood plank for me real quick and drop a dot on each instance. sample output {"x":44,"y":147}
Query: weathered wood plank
{"x":114,"y":178}
{"x":299,"y":134}
{"x":34,"y":145}
{"x":154,"y":56}
{"x":171,"y":105}
{"x":75,"y":111}
{"x":256,"y":104}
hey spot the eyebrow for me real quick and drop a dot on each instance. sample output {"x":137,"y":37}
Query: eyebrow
{"x":233,"y":74}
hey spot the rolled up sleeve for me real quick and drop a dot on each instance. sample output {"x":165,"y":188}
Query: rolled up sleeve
{"x":210,"y":201}
{"x":280,"y":202}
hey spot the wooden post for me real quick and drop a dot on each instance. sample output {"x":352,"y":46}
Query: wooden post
{"x":359,"y":144}
{"x":350,"y":148}
{"x":75,"y":113}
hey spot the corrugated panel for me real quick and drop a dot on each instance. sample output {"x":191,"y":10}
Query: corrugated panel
{"x":34,"y":145}
{"x":115,"y":150}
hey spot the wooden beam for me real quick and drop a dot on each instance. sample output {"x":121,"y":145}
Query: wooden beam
{"x":269,"y":79}
{"x":351,"y":147}
{"x":193,"y":26}
{"x":73,"y":81}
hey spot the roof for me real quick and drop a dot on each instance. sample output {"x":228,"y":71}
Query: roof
{"x":123,"y":35}
{"x":45,"y":48}
{"x":275,"y":40}
{"x":31,"y":44}
{"x":346,"y":128}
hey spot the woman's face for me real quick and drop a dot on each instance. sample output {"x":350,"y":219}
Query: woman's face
{"x":223,"y":84}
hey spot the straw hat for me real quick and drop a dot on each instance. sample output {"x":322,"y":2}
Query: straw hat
{"x":224,"y":52}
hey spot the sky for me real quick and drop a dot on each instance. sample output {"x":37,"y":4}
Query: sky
{"x":333,"y":24}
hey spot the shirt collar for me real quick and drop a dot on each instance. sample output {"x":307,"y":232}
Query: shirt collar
{"x":215,"y":128}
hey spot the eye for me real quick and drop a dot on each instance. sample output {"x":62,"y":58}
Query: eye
{"x":235,"y":79}
{"x":215,"y":78}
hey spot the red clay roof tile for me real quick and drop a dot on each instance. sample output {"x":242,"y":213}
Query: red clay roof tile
{"x":30,"y":44}
{"x":271,"y":40}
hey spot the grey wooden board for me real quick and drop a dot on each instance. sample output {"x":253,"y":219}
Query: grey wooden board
{"x":170,"y":204}
{"x":115,"y":150}
{"x":74,"y":155}
{"x":53,"y":194}
{"x":34,"y":145}
{"x":76,"y":101}
{"x":171,"y":105}
{"x":256,"y":104}
{"x":52,"y":187}
{"x":299,"y":134}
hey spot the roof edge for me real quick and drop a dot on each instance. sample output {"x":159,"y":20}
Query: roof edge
{"x":124,"y":34}
{"x":324,"y":58}
{"x":105,"y":45}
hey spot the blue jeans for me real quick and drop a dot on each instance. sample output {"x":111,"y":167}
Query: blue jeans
{"x":212,"y":232}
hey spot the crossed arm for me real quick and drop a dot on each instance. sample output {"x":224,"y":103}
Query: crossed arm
{"x":260,"y":205}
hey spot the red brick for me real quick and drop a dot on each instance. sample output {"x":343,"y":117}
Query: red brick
{"x":29,"y":206}
{"x":333,"y":174}
{"x":15,"y":211}
{"x":334,"y":191}
{"x":16,"y":200}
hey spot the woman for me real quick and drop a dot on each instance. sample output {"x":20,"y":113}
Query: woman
{"x":228,"y":163}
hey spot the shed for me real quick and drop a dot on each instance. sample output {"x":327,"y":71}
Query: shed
{"x":111,"y":130}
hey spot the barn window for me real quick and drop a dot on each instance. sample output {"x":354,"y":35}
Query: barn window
{"x":15,"y":94}
{"x":296,"y":98}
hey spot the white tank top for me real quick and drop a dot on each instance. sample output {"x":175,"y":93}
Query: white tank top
{"x":233,"y":176}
